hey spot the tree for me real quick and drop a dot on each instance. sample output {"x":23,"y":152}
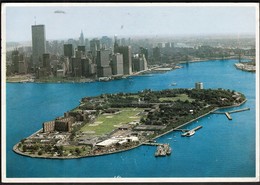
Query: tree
{"x":77,"y":150}
{"x":24,"y":148}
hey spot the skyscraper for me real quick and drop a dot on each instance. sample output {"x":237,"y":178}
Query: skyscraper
{"x":94,"y":47}
{"x":81,"y":39}
{"x":127,"y":58}
{"x":68,"y":50}
{"x":117,"y":64}
{"x":38,"y":43}
{"x":103,"y":63}
{"x":157,"y":55}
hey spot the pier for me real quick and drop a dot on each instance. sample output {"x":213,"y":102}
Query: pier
{"x":153,"y":144}
{"x":239,"y":110}
{"x":192,"y":131}
{"x":229,"y":112}
{"x":182,"y":130}
{"x":228,"y":115}
{"x":161,"y":150}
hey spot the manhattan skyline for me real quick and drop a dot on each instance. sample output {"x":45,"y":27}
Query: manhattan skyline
{"x":64,"y":21}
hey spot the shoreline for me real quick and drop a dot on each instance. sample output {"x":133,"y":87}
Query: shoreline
{"x":90,"y":80}
{"x":16,"y":150}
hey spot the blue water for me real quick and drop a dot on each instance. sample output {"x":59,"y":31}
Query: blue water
{"x":222,"y":148}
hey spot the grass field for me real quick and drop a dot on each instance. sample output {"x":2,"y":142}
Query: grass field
{"x":181,"y":97}
{"x":107,"y":123}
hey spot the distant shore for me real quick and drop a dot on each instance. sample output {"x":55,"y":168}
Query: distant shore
{"x":30,"y":78}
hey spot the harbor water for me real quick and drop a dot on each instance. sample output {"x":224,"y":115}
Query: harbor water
{"x":222,"y":148}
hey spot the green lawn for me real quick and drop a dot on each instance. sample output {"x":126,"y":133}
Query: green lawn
{"x":107,"y":123}
{"x":181,"y":97}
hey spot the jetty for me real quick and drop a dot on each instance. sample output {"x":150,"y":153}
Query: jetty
{"x":230,"y":112}
{"x":153,"y":144}
{"x":192,"y":131}
{"x":228,"y":115}
{"x":239,"y":110}
{"x":162,"y":149}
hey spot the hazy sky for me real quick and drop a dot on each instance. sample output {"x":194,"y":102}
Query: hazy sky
{"x":97,"y":21}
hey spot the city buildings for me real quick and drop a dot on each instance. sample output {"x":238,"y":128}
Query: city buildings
{"x":38,"y":44}
{"x":19,"y":64}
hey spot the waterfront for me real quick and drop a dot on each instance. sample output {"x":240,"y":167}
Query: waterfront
{"x":222,"y":148}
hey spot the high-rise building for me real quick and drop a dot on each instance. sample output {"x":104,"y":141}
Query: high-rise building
{"x":82,"y":49}
{"x":106,"y":42}
{"x":117,"y":64}
{"x":22,"y":67}
{"x":47,"y":61}
{"x":143,"y":63}
{"x":156,"y":55}
{"x":81,"y":39}
{"x":94,"y":47}
{"x":127,"y":58}
{"x":103,"y":63}
{"x":76,"y":67}
{"x":68,"y":50}
{"x":198,"y":85}
{"x":144,"y":51}
{"x":116,"y":44}
{"x":15,"y":60}
{"x":38,"y":43}
{"x":139,"y":63}
{"x":167,"y":44}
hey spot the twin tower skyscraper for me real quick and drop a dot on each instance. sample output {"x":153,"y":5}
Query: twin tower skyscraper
{"x":38,"y":44}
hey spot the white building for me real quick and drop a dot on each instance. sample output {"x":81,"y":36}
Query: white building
{"x":198,"y":85}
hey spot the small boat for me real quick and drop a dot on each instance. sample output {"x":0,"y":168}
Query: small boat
{"x":173,"y":84}
{"x":169,"y":151}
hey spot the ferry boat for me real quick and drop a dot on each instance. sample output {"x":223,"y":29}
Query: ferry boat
{"x":163,"y":150}
{"x":189,"y":133}
{"x":160,"y":151}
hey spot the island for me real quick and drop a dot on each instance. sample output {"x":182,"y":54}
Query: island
{"x":112,"y":123}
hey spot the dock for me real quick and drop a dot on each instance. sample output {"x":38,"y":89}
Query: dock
{"x":182,"y":130}
{"x":191,"y":132}
{"x":230,"y":112}
{"x":162,"y":149}
{"x":228,"y":115}
{"x":152,"y":144}
{"x":239,"y":110}
{"x":197,"y":128}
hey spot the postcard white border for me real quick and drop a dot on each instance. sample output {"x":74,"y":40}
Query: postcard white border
{"x":111,"y":180}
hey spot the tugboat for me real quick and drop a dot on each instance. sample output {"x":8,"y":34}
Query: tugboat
{"x":169,"y":150}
